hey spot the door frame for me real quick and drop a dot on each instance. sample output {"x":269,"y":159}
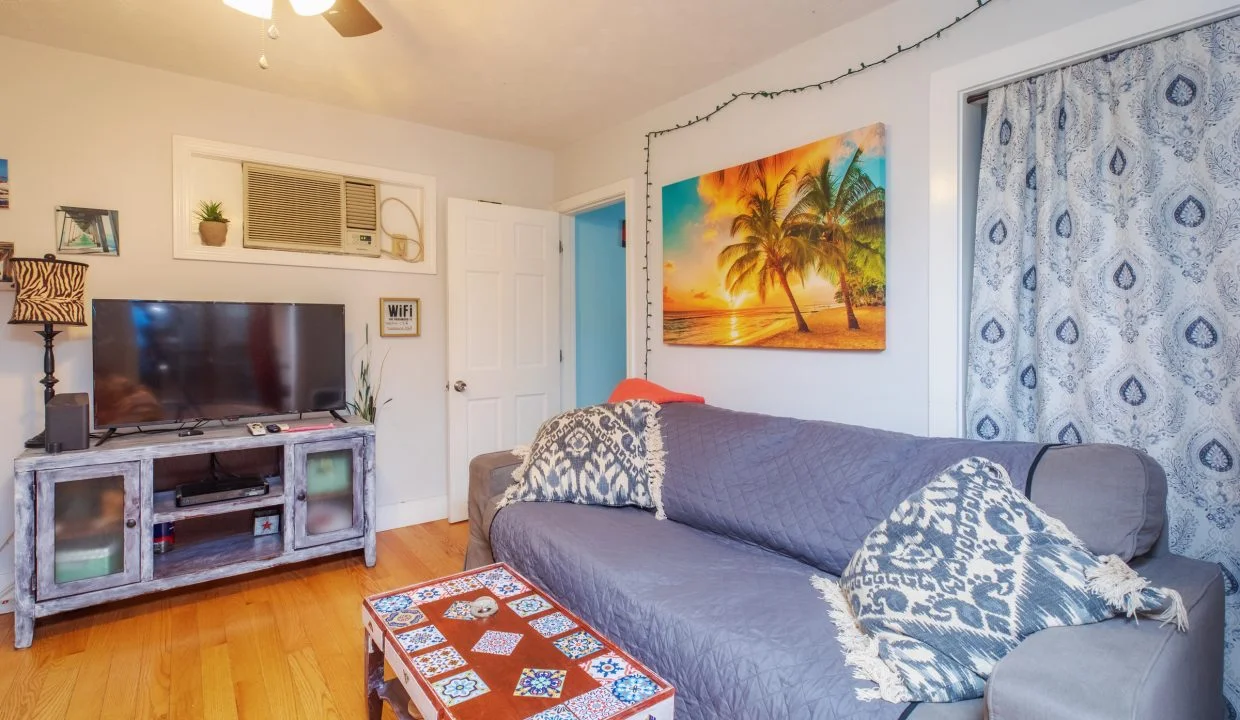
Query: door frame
{"x":949,"y":333}
{"x":634,"y":291}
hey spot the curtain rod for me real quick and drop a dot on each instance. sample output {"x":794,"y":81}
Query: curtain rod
{"x":978,"y":98}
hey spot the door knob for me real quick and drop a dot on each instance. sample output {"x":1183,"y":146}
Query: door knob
{"x":459,"y":386}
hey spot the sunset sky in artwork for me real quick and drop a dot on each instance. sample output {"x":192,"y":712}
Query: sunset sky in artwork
{"x":697,"y":221}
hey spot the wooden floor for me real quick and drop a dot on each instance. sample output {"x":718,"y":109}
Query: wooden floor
{"x":282,"y":644}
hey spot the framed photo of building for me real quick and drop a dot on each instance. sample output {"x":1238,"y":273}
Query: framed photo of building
{"x":400,"y":317}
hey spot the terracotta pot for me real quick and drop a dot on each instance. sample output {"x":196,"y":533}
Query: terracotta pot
{"x":213,"y":233}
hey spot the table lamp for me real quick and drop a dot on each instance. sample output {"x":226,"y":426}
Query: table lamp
{"x":49,"y":292}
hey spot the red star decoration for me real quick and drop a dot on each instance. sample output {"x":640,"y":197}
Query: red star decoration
{"x":266,"y":524}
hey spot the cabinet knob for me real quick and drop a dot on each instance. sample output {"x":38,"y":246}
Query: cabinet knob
{"x":301,"y":495}
{"x":131,"y":523}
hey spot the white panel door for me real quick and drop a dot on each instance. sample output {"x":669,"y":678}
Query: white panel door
{"x":503,"y":332}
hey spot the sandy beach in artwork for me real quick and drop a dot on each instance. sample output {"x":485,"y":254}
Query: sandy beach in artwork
{"x":828,"y":329}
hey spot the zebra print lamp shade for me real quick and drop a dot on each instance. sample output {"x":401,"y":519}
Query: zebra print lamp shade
{"x":49,"y":291}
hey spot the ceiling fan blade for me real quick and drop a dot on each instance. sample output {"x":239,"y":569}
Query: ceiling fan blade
{"x":351,"y":18}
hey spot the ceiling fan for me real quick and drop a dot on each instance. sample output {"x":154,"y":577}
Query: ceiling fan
{"x":349,"y":17}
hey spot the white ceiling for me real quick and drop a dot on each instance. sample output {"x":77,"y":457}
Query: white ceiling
{"x":541,"y":72}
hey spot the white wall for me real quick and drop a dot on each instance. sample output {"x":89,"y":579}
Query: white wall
{"x":887,"y":389}
{"x":79,"y":130}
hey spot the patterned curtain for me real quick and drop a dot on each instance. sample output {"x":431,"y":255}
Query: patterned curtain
{"x":1106,"y":287}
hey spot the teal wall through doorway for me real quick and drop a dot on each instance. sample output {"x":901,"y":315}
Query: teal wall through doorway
{"x":600,"y":303}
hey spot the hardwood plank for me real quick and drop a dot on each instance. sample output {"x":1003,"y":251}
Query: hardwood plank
{"x":284,"y":643}
{"x":219,"y":698}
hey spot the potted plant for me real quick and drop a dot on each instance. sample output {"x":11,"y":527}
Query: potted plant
{"x":212,"y":225}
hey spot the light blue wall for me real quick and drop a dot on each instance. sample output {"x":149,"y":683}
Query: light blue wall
{"x":600,"y":304}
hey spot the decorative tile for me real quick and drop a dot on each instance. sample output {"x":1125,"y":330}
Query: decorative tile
{"x":419,"y":639}
{"x":578,"y":645}
{"x":632,"y":689}
{"x":404,"y":618}
{"x":559,"y":712}
{"x":392,"y":604}
{"x":607,"y":668}
{"x":438,"y":662}
{"x":494,"y":642}
{"x":460,"y":586}
{"x":496,"y":576}
{"x":540,"y":683}
{"x":427,"y":594}
{"x":508,"y":589}
{"x":553,"y":624}
{"x":595,"y":705}
{"x":459,"y":688}
{"x":527,"y":606}
{"x":459,"y":610}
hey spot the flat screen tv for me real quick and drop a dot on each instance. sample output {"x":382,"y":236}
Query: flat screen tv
{"x":160,"y":362}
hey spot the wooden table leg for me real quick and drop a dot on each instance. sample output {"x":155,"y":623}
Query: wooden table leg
{"x":374,"y":680}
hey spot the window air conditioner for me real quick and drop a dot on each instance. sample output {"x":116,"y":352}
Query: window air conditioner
{"x":289,"y":209}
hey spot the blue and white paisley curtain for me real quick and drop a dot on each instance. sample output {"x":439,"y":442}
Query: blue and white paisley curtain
{"x":1106,"y":287}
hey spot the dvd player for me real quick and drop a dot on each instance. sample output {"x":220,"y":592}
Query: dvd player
{"x":209,"y":491}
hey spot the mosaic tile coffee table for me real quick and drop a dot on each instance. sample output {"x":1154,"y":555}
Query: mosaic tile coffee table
{"x":532,"y":660}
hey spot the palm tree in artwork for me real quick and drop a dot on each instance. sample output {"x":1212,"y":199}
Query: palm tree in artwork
{"x":843,"y":221}
{"x":766,"y":254}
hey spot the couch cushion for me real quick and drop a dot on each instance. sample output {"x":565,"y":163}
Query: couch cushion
{"x":810,"y":490}
{"x":738,"y":630}
{"x":1113,"y":497}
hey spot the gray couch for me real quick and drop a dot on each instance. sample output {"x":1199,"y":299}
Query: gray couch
{"x":717,"y":598}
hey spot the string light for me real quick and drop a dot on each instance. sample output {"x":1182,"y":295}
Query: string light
{"x":769,"y":95}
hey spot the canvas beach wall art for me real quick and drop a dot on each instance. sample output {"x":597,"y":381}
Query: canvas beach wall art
{"x":787,"y":251}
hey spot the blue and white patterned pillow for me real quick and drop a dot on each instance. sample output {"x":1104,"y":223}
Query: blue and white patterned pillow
{"x":608,"y":454}
{"x":958,"y":575}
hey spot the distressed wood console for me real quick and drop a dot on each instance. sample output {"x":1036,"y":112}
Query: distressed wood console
{"x":83,"y":532}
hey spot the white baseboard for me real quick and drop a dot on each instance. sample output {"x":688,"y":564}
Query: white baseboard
{"x":413,"y":512}
{"x":7,"y":602}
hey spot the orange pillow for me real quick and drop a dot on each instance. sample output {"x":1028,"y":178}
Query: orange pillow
{"x":639,"y":389}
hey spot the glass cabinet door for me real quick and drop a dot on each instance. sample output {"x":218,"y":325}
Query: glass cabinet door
{"x":328,"y":486}
{"x":87,"y":530}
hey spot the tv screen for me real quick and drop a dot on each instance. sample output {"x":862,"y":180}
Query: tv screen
{"x":167,"y":362}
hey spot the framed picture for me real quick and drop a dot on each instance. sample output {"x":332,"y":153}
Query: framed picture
{"x":788,"y":251}
{"x":6,"y":256}
{"x":87,"y":231}
{"x":400,"y":317}
{"x":4,"y":184}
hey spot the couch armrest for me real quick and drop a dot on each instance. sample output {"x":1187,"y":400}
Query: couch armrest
{"x":489,"y":476}
{"x":1122,"y":668}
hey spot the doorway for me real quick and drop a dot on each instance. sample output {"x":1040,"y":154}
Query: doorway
{"x":599,"y":271}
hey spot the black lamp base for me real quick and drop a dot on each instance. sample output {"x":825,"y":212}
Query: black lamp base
{"x":37,"y":441}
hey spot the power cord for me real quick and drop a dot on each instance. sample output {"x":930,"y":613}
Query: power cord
{"x":399,"y":239}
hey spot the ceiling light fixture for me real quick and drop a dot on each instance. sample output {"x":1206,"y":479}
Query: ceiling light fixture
{"x":257,"y":8}
{"x":311,"y":7}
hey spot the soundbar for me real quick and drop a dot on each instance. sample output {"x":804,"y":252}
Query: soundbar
{"x":209,"y":491}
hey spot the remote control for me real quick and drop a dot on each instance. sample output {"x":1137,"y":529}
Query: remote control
{"x":273,"y":428}
{"x":257,"y":429}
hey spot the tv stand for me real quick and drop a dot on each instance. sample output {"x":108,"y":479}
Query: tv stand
{"x":84,"y":520}
{"x":336,"y":415}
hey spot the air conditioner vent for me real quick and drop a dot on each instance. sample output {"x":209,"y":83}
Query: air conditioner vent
{"x":361,"y":205}
{"x":291,"y":209}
